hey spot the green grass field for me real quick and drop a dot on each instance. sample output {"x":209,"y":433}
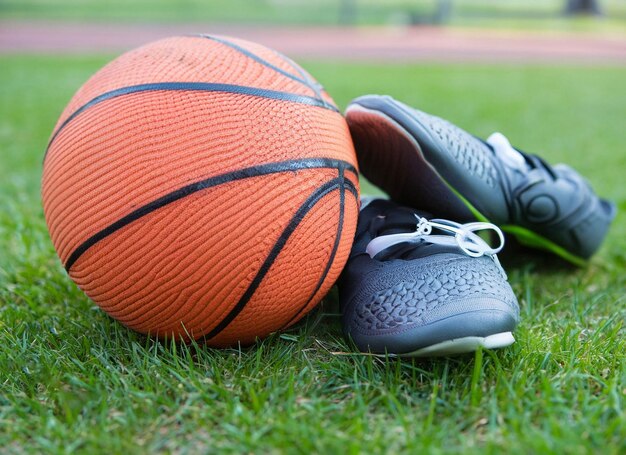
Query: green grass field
{"x":73,"y":380}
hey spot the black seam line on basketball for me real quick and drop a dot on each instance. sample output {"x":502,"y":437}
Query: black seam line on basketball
{"x":256,"y":58}
{"x":331,"y":258}
{"x":300,"y":70}
{"x":352,"y":189}
{"x":302,"y":211}
{"x":193,"y":86}
{"x":254,"y":171}
{"x":306,"y":81}
{"x":313,"y":84}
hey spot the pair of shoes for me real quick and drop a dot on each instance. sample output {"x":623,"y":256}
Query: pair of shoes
{"x":417,"y":286}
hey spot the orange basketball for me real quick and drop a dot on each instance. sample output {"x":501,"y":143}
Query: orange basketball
{"x":202,"y":187}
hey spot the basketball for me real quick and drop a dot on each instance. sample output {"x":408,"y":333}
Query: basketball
{"x":202,"y":187}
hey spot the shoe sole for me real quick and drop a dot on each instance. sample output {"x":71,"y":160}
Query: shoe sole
{"x":464,"y":345}
{"x":409,"y":162}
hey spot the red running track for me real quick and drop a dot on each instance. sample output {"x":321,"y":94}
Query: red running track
{"x":371,"y":43}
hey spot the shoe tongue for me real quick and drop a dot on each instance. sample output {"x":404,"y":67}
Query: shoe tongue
{"x":507,"y":154}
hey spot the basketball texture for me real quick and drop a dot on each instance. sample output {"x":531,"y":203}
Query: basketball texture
{"x":202,"y":187}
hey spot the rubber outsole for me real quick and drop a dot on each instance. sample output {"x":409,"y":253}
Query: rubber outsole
{"x":464,"y":345}
{"x":429,"y":173}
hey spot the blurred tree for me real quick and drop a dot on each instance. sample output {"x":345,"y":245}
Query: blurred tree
{"x":583,"y":7}
{"x":443,"y":12}
{"x":347,"y":12}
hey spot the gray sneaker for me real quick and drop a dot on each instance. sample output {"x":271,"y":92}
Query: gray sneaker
{"x":415,"y":286}
{"x":426,"y":162}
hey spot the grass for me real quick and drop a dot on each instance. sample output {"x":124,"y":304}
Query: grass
{"x":73,"y":380}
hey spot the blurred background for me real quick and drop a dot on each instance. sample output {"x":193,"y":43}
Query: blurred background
{"x":538,"y":14}
{"x":591,"y":30}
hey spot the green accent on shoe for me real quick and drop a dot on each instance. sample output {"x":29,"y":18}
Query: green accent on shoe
{"x":529,"y":238}
{"x":525,"y":236}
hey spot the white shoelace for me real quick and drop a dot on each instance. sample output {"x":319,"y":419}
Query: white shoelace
{"x":465,"y":238}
